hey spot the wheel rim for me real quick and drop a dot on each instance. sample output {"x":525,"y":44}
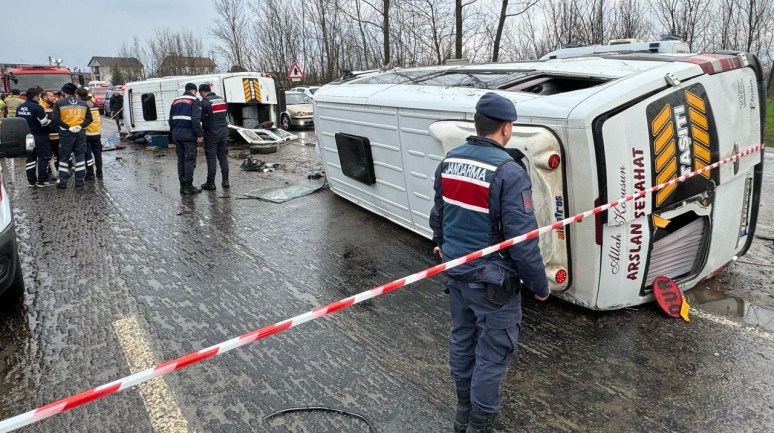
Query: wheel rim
{"x":285,"y":122}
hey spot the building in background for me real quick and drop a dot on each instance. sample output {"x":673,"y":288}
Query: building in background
{"x":184,"y":65}
{"x":77,"y":73}
{"x":116,"y":70}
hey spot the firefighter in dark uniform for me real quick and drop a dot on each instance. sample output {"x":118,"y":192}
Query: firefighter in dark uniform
{"x":93,"y":136}
{"x":215,"y":126}
{"x":37,"y":159}
{"x":12,"y":102}
{"x":185,"y":122}
{"x":482,"y":197}
{"x":72,"y":116}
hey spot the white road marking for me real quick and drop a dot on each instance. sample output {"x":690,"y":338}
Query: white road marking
{"x":164,"y":413}
{"x":720,"y":320}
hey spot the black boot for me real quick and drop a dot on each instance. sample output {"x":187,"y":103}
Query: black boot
{"x":99,"y":173}
{"x":210,"y":184}
{"x":225,"y":184}
{"x":462,"y":414}
{"x":182,"y":187}
{"x":481,"y":423}
{"x":189,"y":189}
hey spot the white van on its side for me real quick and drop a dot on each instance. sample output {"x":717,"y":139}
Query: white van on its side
{"x":252,"y":99}
{"x":593,"y":129}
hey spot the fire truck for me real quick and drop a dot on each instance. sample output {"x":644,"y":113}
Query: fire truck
{"x":25,"y":76}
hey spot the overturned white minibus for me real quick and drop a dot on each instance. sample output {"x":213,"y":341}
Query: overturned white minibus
{"x":593,"y":130}
{"x":252,"y":98}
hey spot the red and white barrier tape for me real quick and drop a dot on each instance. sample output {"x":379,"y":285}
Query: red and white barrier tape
{"x":184,"y":361}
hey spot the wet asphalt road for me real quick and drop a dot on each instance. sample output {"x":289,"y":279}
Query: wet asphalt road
{"x":126,"y":263}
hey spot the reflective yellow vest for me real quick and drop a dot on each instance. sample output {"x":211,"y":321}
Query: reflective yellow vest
{"x":94,"y":127}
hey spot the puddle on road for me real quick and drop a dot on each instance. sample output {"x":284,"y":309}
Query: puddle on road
{"x":712,"y":300}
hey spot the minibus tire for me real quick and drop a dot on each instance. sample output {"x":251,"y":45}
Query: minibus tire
{"x":262,"y":149}
{"x":14,"y":292}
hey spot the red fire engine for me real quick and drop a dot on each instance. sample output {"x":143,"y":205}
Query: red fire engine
{"x":25,"y":76}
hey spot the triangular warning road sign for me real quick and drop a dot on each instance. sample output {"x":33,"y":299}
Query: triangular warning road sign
{"x":295,"y":71}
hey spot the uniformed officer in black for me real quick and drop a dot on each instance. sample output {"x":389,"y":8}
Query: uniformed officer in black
{"x":215,"y":126}
{"x":482,"y":197}
{"x":185,"y":122}
{"x":38,"y":121}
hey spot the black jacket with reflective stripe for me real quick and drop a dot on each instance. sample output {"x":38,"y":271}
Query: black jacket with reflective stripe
{"x":214,"y":116}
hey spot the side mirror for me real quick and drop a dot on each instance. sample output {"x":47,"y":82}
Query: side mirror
{"x":13,"y":137}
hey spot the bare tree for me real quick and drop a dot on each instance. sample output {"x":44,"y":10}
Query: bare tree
{"x":134,"y":50}
{"x":521,"y":7}
{"x":758,"y":19}
{"x":628,"y":20}
{"x":330,"y":36}
{"x":683,"y":18}
{"x":564,"y":22}
{"x":435,"y":29}
{"x":178,"y":53}
{"x":459,"y":6}
{"x":230,"y":30}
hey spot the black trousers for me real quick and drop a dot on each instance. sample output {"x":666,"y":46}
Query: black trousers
{"x":216,"y":148}
{"x":93,"y":153}
{"x":186,"y":159}
{"x":37,"y":160}
{"x":70,"y":143}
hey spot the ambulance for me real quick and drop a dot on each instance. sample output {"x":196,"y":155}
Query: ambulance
{"x":593,"y":129}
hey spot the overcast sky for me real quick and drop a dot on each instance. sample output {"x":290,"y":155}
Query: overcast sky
{"x":74,"y":31}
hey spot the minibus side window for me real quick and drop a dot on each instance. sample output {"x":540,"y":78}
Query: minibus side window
{"x":149,"y":106}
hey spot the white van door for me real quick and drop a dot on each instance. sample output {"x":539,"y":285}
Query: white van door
{"x":250,"y":90}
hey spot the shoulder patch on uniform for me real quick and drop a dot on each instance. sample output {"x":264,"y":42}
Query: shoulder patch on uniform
{"x":526,"y":198}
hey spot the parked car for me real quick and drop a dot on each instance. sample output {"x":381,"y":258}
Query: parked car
{"x":306,"y":90}
{"x":300,"y":111}
{"x":13,"y":143}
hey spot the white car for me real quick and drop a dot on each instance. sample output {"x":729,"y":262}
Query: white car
{"x":13,"y":143}
{"x":307,"y":90}
{"x":299,"y":112}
